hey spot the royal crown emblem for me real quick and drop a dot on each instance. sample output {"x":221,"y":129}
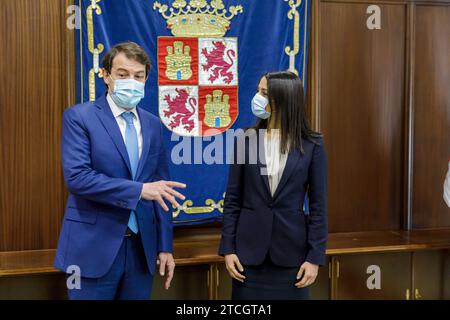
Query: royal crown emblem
{"x":197,"y":18}
{"x":198,"y":68}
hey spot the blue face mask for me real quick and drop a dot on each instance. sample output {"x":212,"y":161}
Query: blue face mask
{"x":127,"y":93}
{"x":259,"y":104}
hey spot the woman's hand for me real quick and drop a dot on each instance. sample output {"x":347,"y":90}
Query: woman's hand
{"x":231,"y":262}
{"x":309,"y":272}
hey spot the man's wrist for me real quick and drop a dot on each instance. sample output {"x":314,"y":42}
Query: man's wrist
{"x":142,"y":189}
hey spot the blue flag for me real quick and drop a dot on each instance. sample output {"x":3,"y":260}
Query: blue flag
{"x":207,"y":57}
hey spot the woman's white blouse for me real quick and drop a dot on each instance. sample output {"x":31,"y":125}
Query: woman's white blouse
{"x":447,"y":187}
{"x":275,"y":160}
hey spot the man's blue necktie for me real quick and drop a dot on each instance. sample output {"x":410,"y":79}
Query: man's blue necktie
{"x":131,"y":142}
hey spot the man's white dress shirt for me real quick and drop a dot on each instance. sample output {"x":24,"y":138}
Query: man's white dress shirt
{"x":117,"y":112}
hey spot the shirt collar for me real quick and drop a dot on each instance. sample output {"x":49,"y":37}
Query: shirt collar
{"x":116,"y":110}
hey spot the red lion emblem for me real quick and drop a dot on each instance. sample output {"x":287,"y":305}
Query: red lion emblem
{"x":178,"y":112}
{"x":216,"y":62}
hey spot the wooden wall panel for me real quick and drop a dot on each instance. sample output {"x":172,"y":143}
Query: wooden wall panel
{"x":429,"y":275}
{"x":361,"y":113}
{"x":358,"y":85}
{"x":431,"y":116}
{"x":353,"y":276}
{"x":34,"y":76}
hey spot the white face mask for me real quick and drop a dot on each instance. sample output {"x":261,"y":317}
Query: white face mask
{"x":127,"y":93}
{"x":259,"y":104}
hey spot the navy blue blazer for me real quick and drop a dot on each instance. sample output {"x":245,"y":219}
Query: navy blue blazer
{"x":102,"y":192}
{"x":256,"y":223}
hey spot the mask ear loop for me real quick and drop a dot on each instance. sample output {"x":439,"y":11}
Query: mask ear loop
{"x":266,"y":100}
{"x":110,"y":76}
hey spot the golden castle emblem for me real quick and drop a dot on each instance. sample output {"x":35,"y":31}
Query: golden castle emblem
{"x":217,"y":110}
{"x":197,"y":18}
{"x":178,"y":62}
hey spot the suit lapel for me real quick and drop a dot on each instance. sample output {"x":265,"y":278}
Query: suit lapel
{"x":106,"y":117}
{"x":291,"y":164}
{"x":262,"y":164}
{"x":146,"y":134}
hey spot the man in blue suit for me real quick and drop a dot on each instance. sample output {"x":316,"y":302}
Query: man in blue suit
{"x":114,"y":230}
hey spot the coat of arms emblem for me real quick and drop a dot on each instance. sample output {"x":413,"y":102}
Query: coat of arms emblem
{"x":198,"y":68}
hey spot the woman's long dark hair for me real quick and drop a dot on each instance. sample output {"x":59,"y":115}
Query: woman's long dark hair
{"x":287,"y":100}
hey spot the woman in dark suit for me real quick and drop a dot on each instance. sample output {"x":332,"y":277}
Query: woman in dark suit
{"x":272,"y":249}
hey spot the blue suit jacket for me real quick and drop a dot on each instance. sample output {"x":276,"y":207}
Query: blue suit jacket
{"x":256,"y":223}
{"x":102,"y":192}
